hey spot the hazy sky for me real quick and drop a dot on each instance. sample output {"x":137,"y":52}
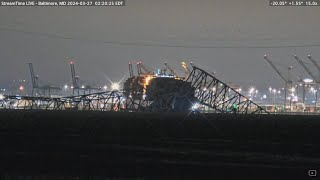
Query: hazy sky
{"x":49,"y":36}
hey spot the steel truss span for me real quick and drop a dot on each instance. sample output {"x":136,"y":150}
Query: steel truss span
{"x":205,"y":90}
{"x":104,"y":101}
{"x":213,"y":93}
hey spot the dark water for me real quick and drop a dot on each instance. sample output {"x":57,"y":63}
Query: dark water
{"x":104,"y":145}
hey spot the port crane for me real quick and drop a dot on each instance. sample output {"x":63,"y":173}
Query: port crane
{"x":172,"y":72}
{"x":146,"y":69}
{"x":76,"y":88}
{"x":287,"y":81}
{"x":130,"y":69}
{"x":36,"y":87}
{"x":314,"y":62}
{"x":311,"y":74}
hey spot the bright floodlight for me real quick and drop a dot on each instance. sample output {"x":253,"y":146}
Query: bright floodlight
{"x":82,"y":86}
{"x":105,"y":87}
{"x":195,"y":106}
{"x":307,"y":80}
{"x":1,"y":96}
{"x":115,"y":86}
{"x":66,"y":86}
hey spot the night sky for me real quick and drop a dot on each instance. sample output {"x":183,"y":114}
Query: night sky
{"x":228,"y":37}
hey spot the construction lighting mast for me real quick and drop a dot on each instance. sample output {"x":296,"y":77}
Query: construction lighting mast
{"x":287,"y":81}
{"x":311,"y":74}
{"x":171,"y":70}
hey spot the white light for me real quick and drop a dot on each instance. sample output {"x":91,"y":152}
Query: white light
{"x":105,"y":87}
{"x":274,"y":90}
{"x":115,"y":86}
{"x":204,"y":89}
{"x":21,"y":88}
{"x":82,"y":86}
{"x":1,"y":96}
{"x":292,"y":89}
{"x":264,"y":96}
{"x":307,"y":80}
{"x":279,"y":92}
{"x":195,"y":106}
{"x":66,"y":86}
{"x":251,"y":90}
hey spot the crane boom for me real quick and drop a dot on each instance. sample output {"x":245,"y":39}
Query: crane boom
{"x":172,"y":71}
{"x":314,"y":62}
{"x":275,"y":68}
{"x":34,"y":78}
{"x":306,"y":68}
{"x":146,"y":69}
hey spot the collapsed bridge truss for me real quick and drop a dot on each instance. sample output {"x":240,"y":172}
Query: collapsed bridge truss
{"x":213,"y":93}
{"x":208,"y":91}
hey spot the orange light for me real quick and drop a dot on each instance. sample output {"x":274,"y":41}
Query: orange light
{"x":148,"y":78}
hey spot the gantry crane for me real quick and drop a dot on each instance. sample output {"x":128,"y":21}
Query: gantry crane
{"x":130,"y":69}
{"x":34,"y":79}
{"x":75,"y":79}
{"x":315,"y":79}
{"x":287,"y":81}
{"x":146,"y":69}
{"x":315,"y":63}
{"x":76,"y":82}
{"x":36,"y":87}
{"x":171,"y":70}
